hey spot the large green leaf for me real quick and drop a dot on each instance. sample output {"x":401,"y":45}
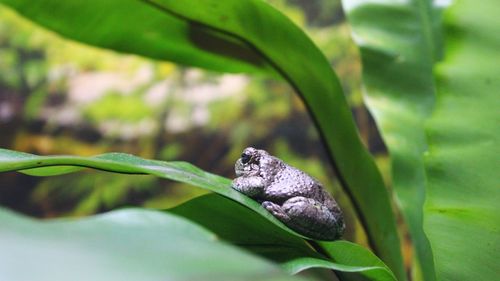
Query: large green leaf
{"x":299,"y":61}
{"x":397,"y":40}
{"x":237,"y":224}
{"x":132,"y":26}
{"x":254,"y":26}
{"x":122,"y":245}
{"x":125,"y":163}
{"x":242,"y":221}
{"x":462,"y":208}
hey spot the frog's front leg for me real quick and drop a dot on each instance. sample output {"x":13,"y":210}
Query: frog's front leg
{"x":250,"y":186}
{"x":307,"y":216}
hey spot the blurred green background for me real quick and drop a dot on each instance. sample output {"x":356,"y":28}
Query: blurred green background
{"x":62,"y":97}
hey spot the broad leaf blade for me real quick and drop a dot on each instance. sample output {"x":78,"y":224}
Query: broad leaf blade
{"x":234,"y":223}
{"x":242,"y":221}
{"x":132,"y":26}
{"x":122,"y":245}
{"x":462,"y":210}
{"x":398,"y":46}
{"x":298,"y":60}
{"x":129,"y":164}
{"x":344,"y":252}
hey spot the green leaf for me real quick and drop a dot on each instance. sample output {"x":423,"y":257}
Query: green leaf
{"x":135,"y":27}
{"x":399,"y":43}
{"x":462,"y":209}
{"x":128,"y":164}
{"x":129,"y":244}
{"x":344,"y":252}
{"x":242,"y":221}
{"x":298,"y":60}
{"x":239,"y":225}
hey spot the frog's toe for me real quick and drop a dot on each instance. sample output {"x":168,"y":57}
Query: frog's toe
{"x":275,"y":210}
{"x":271,"y":207}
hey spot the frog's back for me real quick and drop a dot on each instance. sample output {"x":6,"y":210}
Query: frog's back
{"x":290,"y":182}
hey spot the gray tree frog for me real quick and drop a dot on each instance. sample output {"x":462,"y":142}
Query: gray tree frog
{"x":292,"y":196}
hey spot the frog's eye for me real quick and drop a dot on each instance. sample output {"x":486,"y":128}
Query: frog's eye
{"x":245,"y":158}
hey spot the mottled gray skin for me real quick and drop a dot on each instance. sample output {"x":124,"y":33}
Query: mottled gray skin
{"x":292,"y":196}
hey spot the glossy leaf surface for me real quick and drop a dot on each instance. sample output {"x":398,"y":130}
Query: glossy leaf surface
{"x":237,"y":224}
{"x":131,"y":26}
{"x":462,"y":210}
{"x":240,"y":221}
{"x":128,"y":164}
{"x":398,"y":46}
{"x":128,"y":244}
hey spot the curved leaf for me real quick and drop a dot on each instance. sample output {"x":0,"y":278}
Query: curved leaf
{"x":398,"y":46}
{"x":128,"y":164}
{"x":131,"y":26}
{"x":129,"y":244}
{"x":239,"y":225}
{"x":242,"y":221}
{"x":299,"y":61}
{"x":344,"y":252}
{"x":462,"y":210}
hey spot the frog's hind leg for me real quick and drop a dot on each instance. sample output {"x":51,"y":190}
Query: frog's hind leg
{"x":307,"y":216}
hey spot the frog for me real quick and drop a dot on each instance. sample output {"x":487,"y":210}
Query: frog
{"x":292,"y":196}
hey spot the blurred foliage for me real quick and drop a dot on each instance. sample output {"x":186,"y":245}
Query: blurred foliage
{"x":61,"y":97}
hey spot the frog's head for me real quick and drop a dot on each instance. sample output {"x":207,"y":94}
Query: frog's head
{"x":248,"y":164}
